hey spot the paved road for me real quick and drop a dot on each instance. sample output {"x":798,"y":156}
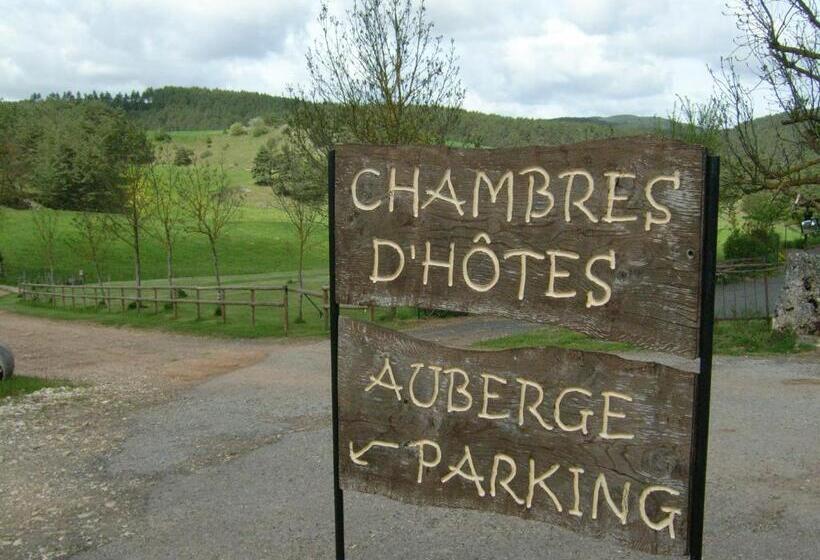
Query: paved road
{"x":239,"y":466}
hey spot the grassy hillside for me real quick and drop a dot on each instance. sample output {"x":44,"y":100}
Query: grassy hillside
{"x":236,"y":153}
{"x":261,"y":241}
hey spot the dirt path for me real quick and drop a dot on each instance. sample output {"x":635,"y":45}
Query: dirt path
{"x":199,"y":448}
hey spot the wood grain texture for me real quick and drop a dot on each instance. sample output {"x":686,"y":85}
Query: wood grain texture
{"x":659,"y":417}
{"x":656,"y":281}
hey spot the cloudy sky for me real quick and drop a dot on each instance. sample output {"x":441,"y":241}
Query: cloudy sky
{"x":544,"y":58}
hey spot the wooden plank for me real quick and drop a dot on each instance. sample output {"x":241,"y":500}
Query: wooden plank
{"x":655,"y":282}
{"x":380,"y":429}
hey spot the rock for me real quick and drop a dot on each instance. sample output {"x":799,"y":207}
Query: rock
{"x":798,"y":307}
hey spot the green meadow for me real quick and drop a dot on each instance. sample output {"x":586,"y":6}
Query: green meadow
{"x":261,"y":241}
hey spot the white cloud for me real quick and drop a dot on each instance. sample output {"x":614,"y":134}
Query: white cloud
{"x":530,"y":58}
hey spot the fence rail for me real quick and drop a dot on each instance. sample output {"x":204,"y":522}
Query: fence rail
{"x":746,"y":289}
{"x":143,"y":298}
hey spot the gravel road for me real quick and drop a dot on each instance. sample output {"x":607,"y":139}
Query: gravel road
{"x":185,"y":447}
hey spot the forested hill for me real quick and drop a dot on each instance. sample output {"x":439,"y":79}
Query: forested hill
{"x":193,"y":108}
{"x":187,"y":108}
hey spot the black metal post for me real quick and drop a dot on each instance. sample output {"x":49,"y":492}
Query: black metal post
{"x":697,"y":487}
{"x":338,"y":498}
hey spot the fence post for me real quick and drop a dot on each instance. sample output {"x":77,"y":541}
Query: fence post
{"x":285,"y":316}
{"x":371,"y":312}
{"x":253,"y":307}
{"x":156,"y":301}
{"x":139,"y":300}
{"x":173,"y":293}
{"x":326,"y":306}
{"x":62,"y":292}
{"x":122,"y":299}
{"x":73,"y":297}
{"x":766,"y":292}
{"x":198,"y":309}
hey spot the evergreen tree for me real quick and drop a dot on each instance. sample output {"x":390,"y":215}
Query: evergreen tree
{"x":263,"y":167}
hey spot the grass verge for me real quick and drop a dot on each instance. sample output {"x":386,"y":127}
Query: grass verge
{"x":732,"y":338}
{"x":754,"y":336}
{"x":22,"y":385}
{"x":554,"y":336}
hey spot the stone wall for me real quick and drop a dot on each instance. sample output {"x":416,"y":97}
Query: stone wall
{"x":798,"y":307}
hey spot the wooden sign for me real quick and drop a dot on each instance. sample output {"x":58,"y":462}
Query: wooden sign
{"x":603,"y":237}
{"x":588,"y":441}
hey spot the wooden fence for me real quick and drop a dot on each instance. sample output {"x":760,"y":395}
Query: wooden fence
{"x":149,"y":298}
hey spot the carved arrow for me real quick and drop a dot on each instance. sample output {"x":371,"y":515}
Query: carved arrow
{"x":354,"y":455}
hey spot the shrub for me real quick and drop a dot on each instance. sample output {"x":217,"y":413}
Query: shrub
{"x":236,"y":129}
{"x":206,"y":154}
{"x":756,"y":243}
{"x":183,"y":156}
{"x":161,"y":136}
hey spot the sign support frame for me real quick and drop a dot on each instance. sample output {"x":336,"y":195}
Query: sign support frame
{"x":703,"y":382}
{"x":333,"y":309}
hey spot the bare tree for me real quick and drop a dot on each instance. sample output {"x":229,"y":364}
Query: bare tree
{"x":302,"y":199}
{"x":134,"y":214}
{"x":210,"y":204}
{"x":377,"y":75}
{"x":45,"y":222}
{"x":91,"y":239}
{"x":779,"y":45}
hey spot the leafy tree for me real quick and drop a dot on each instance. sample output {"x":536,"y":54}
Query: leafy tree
{"x":45,"y":223}
{"x":210,"y":204}
{"x":14,"y":159}
{"x":76,"y":154}
{"x":764,"y":211}
{"x":237,"y":129}
{"x":164,"y":189}
{"x":257,"y":126}
{"x":91,"y":239}
{"x":262,"y":168}
{"x":134,"y":211}
{"x":2,"y":225}
{"x":301,"y":199}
